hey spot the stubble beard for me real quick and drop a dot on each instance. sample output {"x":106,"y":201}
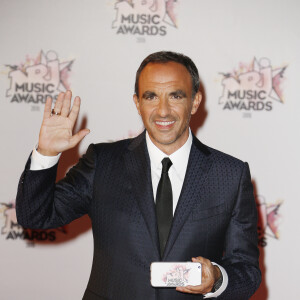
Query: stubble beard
{"x":170,"y":142}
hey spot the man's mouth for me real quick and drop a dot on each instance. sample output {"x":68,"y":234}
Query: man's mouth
{"x":164,"y":124}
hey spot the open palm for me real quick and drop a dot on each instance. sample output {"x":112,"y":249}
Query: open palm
{"x":56,"y":134}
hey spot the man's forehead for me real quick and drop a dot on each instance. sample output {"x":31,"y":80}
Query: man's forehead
{"x":161,"y":74}
{"x":164,"y":67}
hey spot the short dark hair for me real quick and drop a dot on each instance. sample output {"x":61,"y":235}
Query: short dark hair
{"x":165,"y":57}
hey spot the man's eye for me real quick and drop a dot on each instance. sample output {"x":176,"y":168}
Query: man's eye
{"x":176,"y":97}
{"x":150,"y":97}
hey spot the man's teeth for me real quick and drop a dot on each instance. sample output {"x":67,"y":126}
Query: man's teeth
{"x":165,"y":123}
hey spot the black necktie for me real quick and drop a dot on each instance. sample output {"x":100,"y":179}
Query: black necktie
{"x":164,"y":204}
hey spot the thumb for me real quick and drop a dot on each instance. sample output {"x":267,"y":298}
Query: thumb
{"x":76,"y":138}
{"x":199,"y":259}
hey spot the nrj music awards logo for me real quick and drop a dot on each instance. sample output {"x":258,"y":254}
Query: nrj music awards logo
{"x":178,"y":275}
{"x":11,"y":230}
{"x":145,"y":17}
{"x":253,"y":87}
{"x":269,"y":219}
{"x":38,"y":78}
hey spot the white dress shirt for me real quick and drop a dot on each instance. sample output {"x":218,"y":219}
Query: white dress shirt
{"x":176,"y":173}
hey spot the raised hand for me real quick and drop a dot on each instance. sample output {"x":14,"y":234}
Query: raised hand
{"x":56,"y":134}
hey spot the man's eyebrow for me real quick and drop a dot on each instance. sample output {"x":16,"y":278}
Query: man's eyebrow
{"x":178,"y":93}
{"x":148,"y":94}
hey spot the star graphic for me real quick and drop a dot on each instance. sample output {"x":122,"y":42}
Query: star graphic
{"x":277,"y":75}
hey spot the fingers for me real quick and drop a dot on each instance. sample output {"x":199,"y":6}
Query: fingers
{"x":200,"y":259}
{"x":190,"y":289}
{"x":47,"y":109}
{"x":63,"y":104}
{"x":59,"y":102}
{"x":197,"y":289}
{"x":75,"y":110}
{"x":207,"y":281}
{"x":66,"y":104}
{"x":76,"y":138}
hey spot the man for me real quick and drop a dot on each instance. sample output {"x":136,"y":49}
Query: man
{"x":162,"y":196}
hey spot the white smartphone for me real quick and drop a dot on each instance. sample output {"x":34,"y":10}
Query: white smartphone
{"x":173,"y":274}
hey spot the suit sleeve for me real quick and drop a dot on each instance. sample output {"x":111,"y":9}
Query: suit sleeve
{"x":241,"y":252}
{"x":41,"y":203}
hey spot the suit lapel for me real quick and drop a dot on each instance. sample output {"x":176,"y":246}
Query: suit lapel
{"x":138,"y":165}
{"x":197,"y":170}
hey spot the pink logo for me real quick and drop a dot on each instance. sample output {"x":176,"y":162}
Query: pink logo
{"x":144,"y":17}
{"x":13,"y":231}
{"x":269,"y":219}
{"x":8,"y":212}
{"x":253,"y":87}
{"x":36,"y":79}
{"x":177,"y":276}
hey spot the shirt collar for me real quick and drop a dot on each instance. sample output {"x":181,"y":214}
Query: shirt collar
{"x":179,"y":158}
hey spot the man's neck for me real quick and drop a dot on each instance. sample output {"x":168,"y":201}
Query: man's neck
{"x":168,"y":150}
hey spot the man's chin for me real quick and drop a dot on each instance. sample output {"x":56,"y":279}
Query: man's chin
{"x":168,"y":144}
{"x":163,"y":140}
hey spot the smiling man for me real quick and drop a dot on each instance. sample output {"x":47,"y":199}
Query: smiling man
{"x":162,"y":196}
{"x":166,"y":100}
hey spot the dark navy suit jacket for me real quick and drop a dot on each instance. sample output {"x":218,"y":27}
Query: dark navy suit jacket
{"x":215,"y":217}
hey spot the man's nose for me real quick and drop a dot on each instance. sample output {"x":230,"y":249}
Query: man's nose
{"x":163,"y":107}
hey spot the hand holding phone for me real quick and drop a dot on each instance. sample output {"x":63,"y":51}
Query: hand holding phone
{"x":174,"y":274}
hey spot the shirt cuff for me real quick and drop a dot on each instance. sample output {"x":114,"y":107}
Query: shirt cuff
{"x":222,"y":288}
{"x":40,"y":162}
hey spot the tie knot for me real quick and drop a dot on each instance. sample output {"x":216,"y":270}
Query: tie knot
{"x":166,"y":164}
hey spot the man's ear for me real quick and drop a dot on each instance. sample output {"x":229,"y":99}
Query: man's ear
{"x":137,"y":103}
{"x":196,"y":102}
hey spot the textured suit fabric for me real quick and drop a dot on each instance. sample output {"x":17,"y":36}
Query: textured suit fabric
{"x":215,"y":217}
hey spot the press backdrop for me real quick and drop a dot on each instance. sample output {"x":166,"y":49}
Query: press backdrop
{"x":248,"y":55}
